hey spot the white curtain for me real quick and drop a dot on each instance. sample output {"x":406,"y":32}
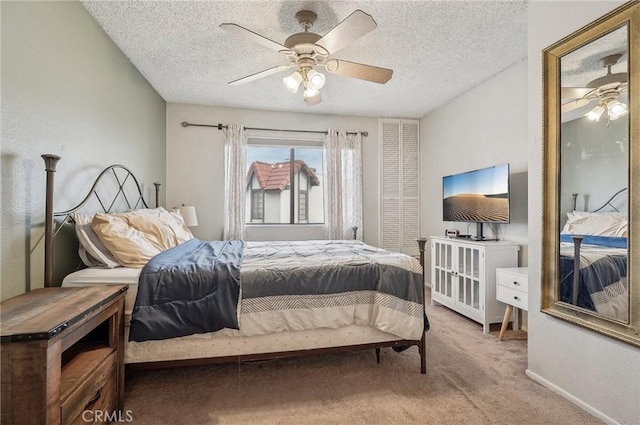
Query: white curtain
{"x":343,"y":187}
{"x":235,"y":172}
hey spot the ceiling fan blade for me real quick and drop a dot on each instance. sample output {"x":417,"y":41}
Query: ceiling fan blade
{"x":574,"y":104}
{"x":346,"y":32}
{"x":259,"y":75}
{"x":359,"y":70}
{"x":237,"y":29}
{"x":574,"y":92}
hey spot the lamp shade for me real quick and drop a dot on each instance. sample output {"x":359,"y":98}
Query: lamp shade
{"x":316,"y":79}
{"x":616,"y":109}
{"x":188,"y":213}
{"x":595,"y":113}
{"x":292,"y":81}
{"x":312,"y":97}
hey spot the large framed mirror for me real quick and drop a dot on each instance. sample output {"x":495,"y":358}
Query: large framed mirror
{"x":591,"y":199}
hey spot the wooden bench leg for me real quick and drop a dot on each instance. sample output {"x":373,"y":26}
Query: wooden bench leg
{"x":505,"y":321}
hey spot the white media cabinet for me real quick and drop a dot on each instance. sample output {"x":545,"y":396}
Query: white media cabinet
{"x":463,"y":276}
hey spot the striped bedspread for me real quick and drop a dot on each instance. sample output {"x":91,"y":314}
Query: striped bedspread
{"x":283,"y":286}
{"x":603,"y":278}
{"x":329,"y":284}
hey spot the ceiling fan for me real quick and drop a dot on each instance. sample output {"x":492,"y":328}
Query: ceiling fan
{"x":307,"y":51}
{"x":606,"y":90}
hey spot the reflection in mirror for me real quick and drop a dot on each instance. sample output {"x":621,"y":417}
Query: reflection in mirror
{"x":591,"y":186}
{"x":594,"y":159}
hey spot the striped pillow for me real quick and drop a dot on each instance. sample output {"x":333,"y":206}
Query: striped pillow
{"x":90,"y":242}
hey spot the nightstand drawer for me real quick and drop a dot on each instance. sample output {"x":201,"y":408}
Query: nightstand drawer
{"x":96,"y":389}
{"x":512,"y":296}
{"x":507,"y":279}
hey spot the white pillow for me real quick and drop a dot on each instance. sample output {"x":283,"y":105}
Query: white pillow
{"x":90,"y":242}
{"x":611,"y":224}
{"x":135,"y":237}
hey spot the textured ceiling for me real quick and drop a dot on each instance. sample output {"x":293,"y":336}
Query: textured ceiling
{"x":584,"y":64}
{"x":581,"y":66}
{"x":438,"y":50}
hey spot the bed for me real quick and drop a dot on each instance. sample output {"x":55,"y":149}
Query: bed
{"x":295,"y":298}
{"x":597,"y":280}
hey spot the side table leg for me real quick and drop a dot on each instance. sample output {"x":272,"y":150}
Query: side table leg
{"x":505,"y":321}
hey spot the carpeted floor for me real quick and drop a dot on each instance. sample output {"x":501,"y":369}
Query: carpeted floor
{"x":471,"y":379}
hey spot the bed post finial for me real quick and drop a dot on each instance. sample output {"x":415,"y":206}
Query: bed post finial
{"x":157,"y":185}
{"x":50,"y":162}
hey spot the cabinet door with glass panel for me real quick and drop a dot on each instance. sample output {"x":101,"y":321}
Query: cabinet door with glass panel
{"x":442,"y":272}
{"x":468,"y":272}
{"x":455,"y":275}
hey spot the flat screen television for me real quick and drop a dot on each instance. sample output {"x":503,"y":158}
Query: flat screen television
{"x":478,"y":196}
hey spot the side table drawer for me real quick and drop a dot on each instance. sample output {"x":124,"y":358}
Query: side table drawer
{"x":512,"y":280}
{"x":96,"y":391}
{"x":512,"y":296}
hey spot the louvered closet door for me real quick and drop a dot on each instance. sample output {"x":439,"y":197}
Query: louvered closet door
{"x":390,"y":174}
{"x":410,"y":183}
{"x":400,"y":190}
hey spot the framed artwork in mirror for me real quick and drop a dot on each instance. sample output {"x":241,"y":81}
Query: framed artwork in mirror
{"x":591,"y":198}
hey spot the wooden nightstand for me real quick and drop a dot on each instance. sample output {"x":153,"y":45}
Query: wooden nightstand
{"x":512,"y":286}
{"x":62,"y":354}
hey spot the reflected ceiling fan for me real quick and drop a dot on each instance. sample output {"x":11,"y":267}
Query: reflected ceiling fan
{"x":307,"y":51}
{"x":606,"y":90}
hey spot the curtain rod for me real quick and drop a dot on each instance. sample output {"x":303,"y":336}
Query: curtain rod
{"x":221,"y":126}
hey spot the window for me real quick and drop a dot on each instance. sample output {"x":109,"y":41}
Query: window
{"x":284,"y":184}
{"x":257,"y":205}
{"x":302,"y":206}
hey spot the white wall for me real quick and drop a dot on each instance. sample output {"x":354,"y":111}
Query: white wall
{"x":316,"y":200}
{"x":485,"y":126}
{"x":588,"y":149}
{"x":195,"y":164}
{"x":66,"y":90}
{"x":597,"y":372}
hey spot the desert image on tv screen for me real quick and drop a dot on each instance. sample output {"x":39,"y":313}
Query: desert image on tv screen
{"x":477,"y":196}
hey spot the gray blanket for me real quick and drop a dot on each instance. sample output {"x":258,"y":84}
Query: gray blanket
{"x":192,"y":288}
{"x":279,"y":268}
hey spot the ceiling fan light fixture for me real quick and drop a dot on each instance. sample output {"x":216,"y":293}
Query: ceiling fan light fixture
{"x":595,"y":113}
{"x":616,"y":109}
{"x":309,"y":92}
{"x":292,"y":82}
{"x":313,"y":100}
{"x":307,"y":50}
{"x":315,"y":79}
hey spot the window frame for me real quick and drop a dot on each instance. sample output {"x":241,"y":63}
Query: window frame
{"x":291,"y":144}
{"x":253,"y":210}
{"x":305,"y":209}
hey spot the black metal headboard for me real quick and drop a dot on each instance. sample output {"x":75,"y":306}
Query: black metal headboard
{"x":124,"y":194}
{"x":606,"y":204}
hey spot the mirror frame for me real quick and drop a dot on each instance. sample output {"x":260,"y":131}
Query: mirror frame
{"x":629,"y":14}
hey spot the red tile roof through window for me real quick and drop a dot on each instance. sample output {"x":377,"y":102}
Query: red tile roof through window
{"x":276,"y":176}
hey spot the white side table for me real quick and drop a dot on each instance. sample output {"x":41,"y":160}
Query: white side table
{"x":512,"y":289}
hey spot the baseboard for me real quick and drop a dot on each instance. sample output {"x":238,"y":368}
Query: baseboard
{"x":573,"y":399}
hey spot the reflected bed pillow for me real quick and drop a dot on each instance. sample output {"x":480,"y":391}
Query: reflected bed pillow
{"x":596,"y":224}
{"x":134,"y":237}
